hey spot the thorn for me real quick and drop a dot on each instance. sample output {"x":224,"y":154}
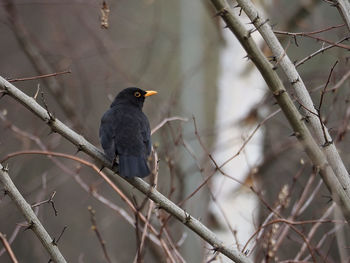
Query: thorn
{"x":221,"y":12}
{"x":79,"y":148}
{"x":306,"y":118}
{"x":3,"y":93}
{"x":102,"y":168}
{"x":187,"y":217}
{"x":295,"y":81}
{"x":295,"y":40}
{"x":5,"y":168}
{"x":330,"y":199}
{"x":327,"y":143}
{"x":215,"y":249}
{"x":272,"y":58}
{"x":53,"y":242}
{"x":255,"y":19}
{"x":30,"y":226}
{"x":246,"y":57}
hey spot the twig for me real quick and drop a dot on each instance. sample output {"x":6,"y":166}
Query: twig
{"x":50,"y":201}
{"x":313,"y":231}
{"x":98,"y":234}
{"x":8,"y":248}
{"x":321,"y":50}
{"x":250,"y":137}
{"x":163,"y":122}
{"x":313,"y":32}
{"x":326,"y":140}
{"x":55,"y":241}
{"x":313,"y":37}
{"x":40,"y":76}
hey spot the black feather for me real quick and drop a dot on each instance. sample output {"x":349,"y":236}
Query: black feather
{"x":125,"y":132}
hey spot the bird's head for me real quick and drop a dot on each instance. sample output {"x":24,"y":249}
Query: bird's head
{"x":133,"y":96}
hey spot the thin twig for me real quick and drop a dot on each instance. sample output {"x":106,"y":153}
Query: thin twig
{"x":321,"y":50}
{"x":98,"y":233}
{"x":50,"y":201}
{"x":166,"y":120}
{"x":40,"y":76}
{"x":327,"y":141}
{"x":8,"y":248}
{"x":313,"y":37}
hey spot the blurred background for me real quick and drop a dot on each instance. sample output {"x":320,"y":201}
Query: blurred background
{"x":227,"y":131}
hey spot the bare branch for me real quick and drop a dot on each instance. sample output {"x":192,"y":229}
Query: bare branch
{"x":40,"y":77}
{"x":8,"y":248}
{"x":98,"y":233}
{"x":32,"y":219}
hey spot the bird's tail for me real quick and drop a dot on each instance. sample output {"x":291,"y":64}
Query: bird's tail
{"x":133,"y":166}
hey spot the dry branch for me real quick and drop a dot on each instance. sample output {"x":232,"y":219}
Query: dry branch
{"x":32,"y":219}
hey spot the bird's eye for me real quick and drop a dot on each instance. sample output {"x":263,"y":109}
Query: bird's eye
{"x":137,"y":94}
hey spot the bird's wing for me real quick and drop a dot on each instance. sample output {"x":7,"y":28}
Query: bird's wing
{"x":128,"y":135}
{"x":106,"y":134}
{"x":146,"y":134}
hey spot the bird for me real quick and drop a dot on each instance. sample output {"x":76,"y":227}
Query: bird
{"x":125,"y":133}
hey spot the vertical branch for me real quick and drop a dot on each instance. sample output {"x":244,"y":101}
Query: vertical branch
{"x":98,"y":234}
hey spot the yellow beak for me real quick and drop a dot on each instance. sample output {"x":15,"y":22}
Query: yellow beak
{"x":150,"y":93}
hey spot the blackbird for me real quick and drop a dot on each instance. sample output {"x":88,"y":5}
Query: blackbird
{"x":125,"y":133}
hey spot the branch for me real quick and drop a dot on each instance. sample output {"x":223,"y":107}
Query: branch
{"x":28,"y":213}
{"x":8,"y":248}
{"x":343,"y":7}
{"x":85,"y":146}
{"x":301,"y":93}
{"x":39,"y":77}
{"x":339,"y":190}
